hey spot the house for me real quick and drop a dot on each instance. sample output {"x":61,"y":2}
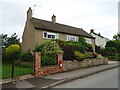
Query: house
{"x":37,"y":31}
{"x":100,"y":40}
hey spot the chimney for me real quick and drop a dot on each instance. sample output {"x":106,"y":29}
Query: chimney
{"x":53,"y":19}
{"x":99,"y":34}
{"x":92,"y":30}
{"x":29,"y":13}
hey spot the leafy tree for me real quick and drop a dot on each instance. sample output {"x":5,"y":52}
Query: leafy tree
{"x":13,"y":51}
{"x":117,"y":36}
{"x":7,"y":41}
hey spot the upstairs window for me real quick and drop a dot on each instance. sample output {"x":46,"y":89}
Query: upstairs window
{"x":72,"y":38}
{"x":49,"y":35}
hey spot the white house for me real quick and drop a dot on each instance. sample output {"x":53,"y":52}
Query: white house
{"x":100,"y":40}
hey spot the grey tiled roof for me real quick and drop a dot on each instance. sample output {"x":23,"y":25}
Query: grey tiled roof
{"x":61,"y":28}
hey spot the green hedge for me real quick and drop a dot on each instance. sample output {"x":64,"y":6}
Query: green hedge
{"x":79,"y":56}
{"x":49,"y":50}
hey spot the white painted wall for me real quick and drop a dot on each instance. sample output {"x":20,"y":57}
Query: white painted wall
{"x":99,"y":41}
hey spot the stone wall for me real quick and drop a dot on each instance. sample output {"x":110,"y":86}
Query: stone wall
{"x":71,"y":65}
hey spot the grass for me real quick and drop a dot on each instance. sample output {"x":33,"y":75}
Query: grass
{"x":18,"y":70}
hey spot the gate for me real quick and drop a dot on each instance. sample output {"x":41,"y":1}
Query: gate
{"x":12,"y":68}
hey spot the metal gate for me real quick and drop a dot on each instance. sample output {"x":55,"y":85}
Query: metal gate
{"x":12,"y":68}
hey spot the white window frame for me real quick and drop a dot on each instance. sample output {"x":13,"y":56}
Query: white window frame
{"x":56,"y":35}
{"x":88,"y":40}
{"x":72,"y":38}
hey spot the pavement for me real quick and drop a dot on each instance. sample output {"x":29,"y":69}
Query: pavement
{"x":50,"y":81}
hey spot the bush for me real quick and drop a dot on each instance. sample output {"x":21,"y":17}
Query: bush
{"x":13,"y":51}
{"x":108,"y":51}
{"x":49,"y":50}
{"x":68,"y":52}
{"x":79,"y":56}
{"x":59,"y":42}
{"x":115,"y":56}
{"x":48,"y":47}
{"x":114,"y":44}
{"x":26,"y":56}
{"x":88,"y":55}
{"x":76,"y":45}
{"x":46,"y":61}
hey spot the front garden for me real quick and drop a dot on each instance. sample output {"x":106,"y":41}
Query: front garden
{"x":72,"y":50}
{"x":111,"y":50}
{"x":15,"y":62}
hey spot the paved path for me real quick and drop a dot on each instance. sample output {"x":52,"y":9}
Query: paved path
{"x":105,"y":79}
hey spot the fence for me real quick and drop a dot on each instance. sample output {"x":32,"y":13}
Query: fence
{"x":12,"y":68}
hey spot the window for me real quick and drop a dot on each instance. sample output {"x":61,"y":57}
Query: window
{"x":88,"y":40}
{"x":72,"y":38}
{"x":49,"y":35}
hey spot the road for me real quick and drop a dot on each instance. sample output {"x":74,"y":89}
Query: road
{"x":105,"y":79}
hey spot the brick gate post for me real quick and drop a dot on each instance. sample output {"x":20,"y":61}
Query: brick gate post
{"x":37,"y":63}
{"x":60,"y":58}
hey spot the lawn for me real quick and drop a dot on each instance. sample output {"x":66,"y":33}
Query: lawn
{"x":18,"y":70}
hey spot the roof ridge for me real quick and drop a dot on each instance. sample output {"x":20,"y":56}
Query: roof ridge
{"x":57,"y":23}
{"x":58,"y":26}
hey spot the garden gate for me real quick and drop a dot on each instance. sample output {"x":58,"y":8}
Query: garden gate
{"x":13,"y":68}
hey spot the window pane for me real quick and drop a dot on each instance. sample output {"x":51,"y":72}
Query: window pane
{"x":49,"y":36}
{"x":53,"y":36}
{"x":45,"y":34}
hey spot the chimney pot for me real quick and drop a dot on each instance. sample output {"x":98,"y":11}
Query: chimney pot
{"x":92,"y":30}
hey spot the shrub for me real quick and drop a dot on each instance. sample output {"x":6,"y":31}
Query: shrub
{"x":48,"y":47}
{"x":115,"y":56}
{"x":13,"y":51}
{"x":79,"y":56}
{"x":26,"y":56}
{"x":94,"y":55}
{"x":68,"y":52}
{"x":46,"y":61}
{"x":114,"y":44}
{"x":49,"y":50}
{"x":59,"y":42}
{"x":88,"y":55}
{"x":78,"y":46}
{"x":108,"y":51}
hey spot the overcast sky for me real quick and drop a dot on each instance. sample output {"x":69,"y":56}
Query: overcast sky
{"x":100,"y":15}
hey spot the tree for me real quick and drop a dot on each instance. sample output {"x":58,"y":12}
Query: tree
{"x":7,"y":41}
{"x":117,"y":36}
{"x":13,"y":51}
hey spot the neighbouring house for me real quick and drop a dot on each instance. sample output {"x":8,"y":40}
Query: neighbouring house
{"x":100,"y":40}
{"x":36,"y":31}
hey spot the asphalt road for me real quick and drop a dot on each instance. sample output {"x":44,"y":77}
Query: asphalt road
{"x":105,"y":79}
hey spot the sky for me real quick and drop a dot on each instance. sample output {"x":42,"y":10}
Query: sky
{"x":100,"y":15}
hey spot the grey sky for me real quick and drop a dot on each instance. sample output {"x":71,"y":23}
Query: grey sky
{"x":102,"y":15}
